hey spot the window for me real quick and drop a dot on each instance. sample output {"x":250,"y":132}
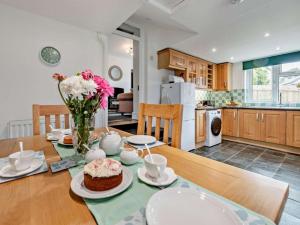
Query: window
{"x":273,"y":84}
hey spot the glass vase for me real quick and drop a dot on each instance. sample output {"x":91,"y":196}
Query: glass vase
{"x":82,"y":130}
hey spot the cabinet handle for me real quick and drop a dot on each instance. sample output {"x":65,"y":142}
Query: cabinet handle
{"x":262,"y":117}
{"x":257,"y":117}
{"x":225,"y":84}
{"x":234,"y":115}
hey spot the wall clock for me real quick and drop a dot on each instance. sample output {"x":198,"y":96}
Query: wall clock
{"x":50,"y":55}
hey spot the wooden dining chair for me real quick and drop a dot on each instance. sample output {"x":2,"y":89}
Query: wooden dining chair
{"x":47,"y":111}
{"x":165,"y":113}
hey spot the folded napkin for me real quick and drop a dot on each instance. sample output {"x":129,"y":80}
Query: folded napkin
{"x":38,"y":155}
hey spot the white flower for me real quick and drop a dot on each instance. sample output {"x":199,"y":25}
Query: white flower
{"x":76,"y":86}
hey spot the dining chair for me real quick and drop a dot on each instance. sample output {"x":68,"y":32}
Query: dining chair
{"x":165,"y":113}
{"x":47,"y":111}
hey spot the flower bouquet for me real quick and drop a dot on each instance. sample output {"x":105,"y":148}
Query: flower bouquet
{"x":83,"y":94}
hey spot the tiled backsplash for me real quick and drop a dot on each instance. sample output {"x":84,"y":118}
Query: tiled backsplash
{"x":220,"y":98}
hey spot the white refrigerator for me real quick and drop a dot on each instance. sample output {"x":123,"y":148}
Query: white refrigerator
{"x":182,"y":93}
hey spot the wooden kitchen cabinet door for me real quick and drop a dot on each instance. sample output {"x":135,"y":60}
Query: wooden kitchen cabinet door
{"x":178,"y":59}
{"x":200,"y":126}
{"x":293,"y":128}
{"x":230,"y":122}
{"x":273,"y":126}
{"x":249,"y":124}
{"x":223,"y":77}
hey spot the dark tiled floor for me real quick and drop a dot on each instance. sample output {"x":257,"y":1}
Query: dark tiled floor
{"x":281,"y":166}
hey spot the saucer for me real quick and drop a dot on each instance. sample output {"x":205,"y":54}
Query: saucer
{"x":167,"y":178}
{"x":8,"y":172}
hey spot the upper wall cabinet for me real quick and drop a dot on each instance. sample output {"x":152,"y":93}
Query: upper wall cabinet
{"x":224,"y":74}
{"x":171,"y":59}
{"x":192,"y":69}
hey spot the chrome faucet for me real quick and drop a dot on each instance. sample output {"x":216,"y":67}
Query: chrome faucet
{"x":280,"y":98}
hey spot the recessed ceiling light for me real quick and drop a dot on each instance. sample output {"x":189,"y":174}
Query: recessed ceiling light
{"x":231,"y":58}
{"x":214,"y":50}
{"x":277,"y":48}
{"x":267,"y":34}
{"x":236,"y":1}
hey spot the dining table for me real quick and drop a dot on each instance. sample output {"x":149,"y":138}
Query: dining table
{"x":46,"y":198}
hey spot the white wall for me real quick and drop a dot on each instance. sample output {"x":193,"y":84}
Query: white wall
{"x":126,"y":64}
{"x":24,"y":79}
{"x":238,"y":76}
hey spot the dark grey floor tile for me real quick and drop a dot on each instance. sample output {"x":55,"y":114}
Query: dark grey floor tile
{"x":260,"y":171}
{"x":236,"y":146}
{"x":284,"y":172}
{"x":292,"y":208}
{"x":287,"y":219}
{"x":293,"y":156}
{"x":256,"y":148}
{"x":275,"y":153}
{"x":291,"y":164}
{"x":265,"y":165}
{"x":292,"y":181}
{"x":229,"y":150}
{"x":220,"y":156}
{"x":268,"y":157}
{"x":249,"y":153}
{"x":238,"y":161}
{"x":294,"y":194}
{"x":204,"y":151}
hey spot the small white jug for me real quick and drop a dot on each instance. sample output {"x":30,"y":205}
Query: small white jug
{"x":96,"y":153}
{"x":130,"y":156}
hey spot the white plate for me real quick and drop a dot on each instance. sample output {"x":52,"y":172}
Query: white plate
{"x":141,"y":139}
{"x":167,"y":178}
{"x":7,"y":171}
{"x":179,"y":206}
{"x":79,"y":189}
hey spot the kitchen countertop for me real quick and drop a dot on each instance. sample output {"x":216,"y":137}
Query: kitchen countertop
{"x":264,"y":107}
{"x":252,"y":107}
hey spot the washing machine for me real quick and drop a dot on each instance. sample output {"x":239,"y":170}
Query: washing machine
{"x":213,"y":127}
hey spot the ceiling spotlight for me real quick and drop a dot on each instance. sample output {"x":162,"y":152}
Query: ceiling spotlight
{"x":231,"y":58}
{"x":267,"y":34}
{"x":237,"y":1}
{"x":214,"y":50}
{"x":277,"y":48}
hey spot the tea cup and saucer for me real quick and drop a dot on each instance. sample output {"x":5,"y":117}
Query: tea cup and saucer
{"x":155,"y":172}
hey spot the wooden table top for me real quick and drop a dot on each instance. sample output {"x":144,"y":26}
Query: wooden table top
{"x":47,"y":199}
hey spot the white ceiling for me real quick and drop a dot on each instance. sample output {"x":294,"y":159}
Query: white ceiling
{"x":234,"y":30}
{"x":119,"y":46}
{"x":96,"y":15}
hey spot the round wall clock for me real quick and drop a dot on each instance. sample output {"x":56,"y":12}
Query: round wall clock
{"x":50,"y":55}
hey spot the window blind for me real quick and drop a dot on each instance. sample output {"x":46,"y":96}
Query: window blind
{"x":272,"y":60}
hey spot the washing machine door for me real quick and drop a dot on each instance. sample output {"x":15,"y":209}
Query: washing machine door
{"x":216,"y":126}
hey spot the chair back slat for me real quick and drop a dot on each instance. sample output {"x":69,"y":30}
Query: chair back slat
{"x":149,"y":125}
{"x":166,"y":131}
{"x":57,"y":120}
{"x":67,"y":122}
{"x":165,"y":113}
{"x":47,"y":123}
{"x":47,"y":111}
{"x":157,"y":128}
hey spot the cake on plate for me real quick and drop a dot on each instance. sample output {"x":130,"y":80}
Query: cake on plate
{"x":68,"y":140}
{"x":102,"y":174}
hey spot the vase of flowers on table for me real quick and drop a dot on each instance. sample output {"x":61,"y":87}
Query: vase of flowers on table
{"x":83,"y":93}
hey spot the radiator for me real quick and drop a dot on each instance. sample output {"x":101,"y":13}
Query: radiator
{"x":23,"y":128}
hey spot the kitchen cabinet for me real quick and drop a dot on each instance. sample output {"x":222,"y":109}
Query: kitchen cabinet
{"x":200,"y":124}
{"x":293,"y":128}
{"x":230,"y":122}
{"x":172,"y":59}
{"x":192,"y":69}
{"x":272,"y":126}
{"x":223,"y":78}
{"x":263,"y":125}
{"x":249,"y":125}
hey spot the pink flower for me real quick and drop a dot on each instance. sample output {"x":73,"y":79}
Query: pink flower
{"x":87,"y":74}
{"x":59,"y":77}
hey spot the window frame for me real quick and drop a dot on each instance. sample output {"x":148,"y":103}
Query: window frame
{"x":276,"y":74}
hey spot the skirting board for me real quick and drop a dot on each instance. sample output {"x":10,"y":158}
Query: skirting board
{"x":283,"y":148}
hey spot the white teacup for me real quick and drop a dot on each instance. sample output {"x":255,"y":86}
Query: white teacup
{"x":21,"y":160}
{"x":157,"y":167}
